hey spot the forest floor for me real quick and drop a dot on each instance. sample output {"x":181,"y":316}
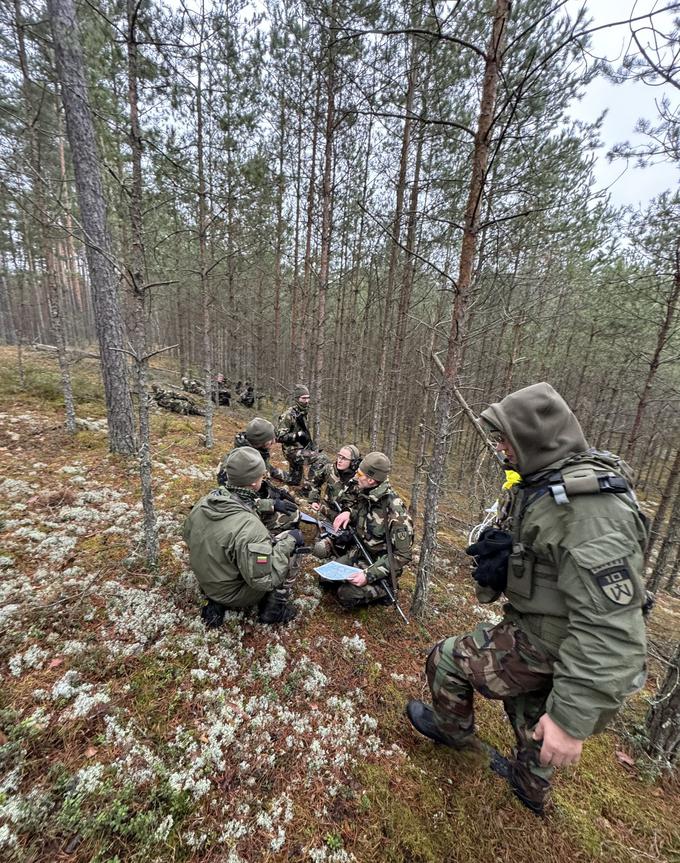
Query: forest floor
{"x":130,"y":733}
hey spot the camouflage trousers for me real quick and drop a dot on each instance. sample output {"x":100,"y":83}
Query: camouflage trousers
{"x":350,"y":596}
{"x":499,"y":662}
{"x":277,"y":522}
{"x":296,"y":463}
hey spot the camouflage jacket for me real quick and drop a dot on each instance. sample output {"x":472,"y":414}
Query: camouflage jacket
{"x":292,"y":430}
{"x":340,"y":488}
{"x":376,"y":511}
{"x":575,"y":576}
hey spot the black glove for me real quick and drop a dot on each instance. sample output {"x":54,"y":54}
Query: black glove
{"x":297,"y":536}
{"x":303,"y":437}
{"x":491,"y":553}
{"x":285,"y":506}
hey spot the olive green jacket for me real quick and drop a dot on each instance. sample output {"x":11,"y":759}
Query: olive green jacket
{"x":575,"y":577}
{"x":231,"y":552}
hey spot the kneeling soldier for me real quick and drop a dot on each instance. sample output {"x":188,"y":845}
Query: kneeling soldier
{"x":383,"y":526}
{"x":232,"y":554}
{"x":275,"y":506}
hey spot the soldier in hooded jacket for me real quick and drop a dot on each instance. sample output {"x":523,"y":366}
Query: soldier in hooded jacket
{"x":232,"y":555}
{"x":568,"y":557}
{"x":293,"y":434}
{"x":382,"y":524}
{"x":337,"y":477}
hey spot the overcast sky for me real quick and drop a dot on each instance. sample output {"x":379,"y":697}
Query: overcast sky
{"x":624,"y":104}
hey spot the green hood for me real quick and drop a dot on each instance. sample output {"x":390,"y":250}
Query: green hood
{"x":539,"y":424}
{"x":221,"y":503}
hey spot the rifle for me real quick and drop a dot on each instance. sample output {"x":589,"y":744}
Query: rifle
{"x":391,"y":595}
{"x":323,"y":526}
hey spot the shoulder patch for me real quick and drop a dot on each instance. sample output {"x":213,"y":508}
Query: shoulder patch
{"x":616,"y":584}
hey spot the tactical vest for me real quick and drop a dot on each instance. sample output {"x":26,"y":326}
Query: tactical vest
{"x":532,"y":588}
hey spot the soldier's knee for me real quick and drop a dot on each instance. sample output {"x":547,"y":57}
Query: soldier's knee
{"x":350,"y":597}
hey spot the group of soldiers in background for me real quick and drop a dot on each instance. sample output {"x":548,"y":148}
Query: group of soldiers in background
{"x":180,"y":403}
{"x":565,"y":551}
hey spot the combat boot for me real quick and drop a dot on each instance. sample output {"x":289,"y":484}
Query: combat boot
{"x":532,"y":791}
{"x":276,"y":608}
{"x":213,"y":614}
{"x":421,"y":718}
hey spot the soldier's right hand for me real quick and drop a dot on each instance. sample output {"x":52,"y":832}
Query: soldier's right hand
{"x":284,"y":506}
{"x":341,"y":521}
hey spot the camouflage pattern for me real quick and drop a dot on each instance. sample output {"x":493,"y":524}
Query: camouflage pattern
{"x":275,"y":522}
{"x":340,"y":487}
{"x":247,"y":396}
{"x":176,"y":402}
{"x":191,"y":385}
{"x":293,"y":435}
{"x":242,"y":440}
{"x":500,"y":662}
{"x":376,"y":511}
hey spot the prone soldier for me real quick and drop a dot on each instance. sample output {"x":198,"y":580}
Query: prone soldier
{"x":383,"y":526}
{"x":175,"y":402}
{"x":235,"y":560}
{"x":567,"y":554}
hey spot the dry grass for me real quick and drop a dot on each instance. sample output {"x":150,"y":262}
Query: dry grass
{"x":321,"y":765}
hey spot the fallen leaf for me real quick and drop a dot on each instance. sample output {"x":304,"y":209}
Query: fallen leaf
{"x":90,"y":752}
{"x":3,"y":739}
{"x":624,"y":758}
{"x":56,"y":662}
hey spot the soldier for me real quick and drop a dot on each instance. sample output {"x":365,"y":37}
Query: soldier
{"x":292,"y":433}
{"x":337,"y":477}
{"x":568,"y":555}
{"x":248,"y":396}
{"x":175,"y":402}
{"x":191,"y":385}
{"x":233,"y":557}
{"x":277,"y":509}
{"x":221,"y":393}
{"x":381,"y":522}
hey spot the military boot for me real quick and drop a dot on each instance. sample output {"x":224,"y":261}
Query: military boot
{"x":532,"y":791}
{"x":275,"y":607}
{"x":213,"y":614}
{"x":421,"y":718}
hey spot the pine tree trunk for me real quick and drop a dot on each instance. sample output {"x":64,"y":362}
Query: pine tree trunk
{"x":140,"y":295}
{"x":81,"y":135}
{"x":480,"y":158}
{"x":663,"y":718}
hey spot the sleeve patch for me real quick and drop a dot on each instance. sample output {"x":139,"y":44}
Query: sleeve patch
{"x":616,"y":584}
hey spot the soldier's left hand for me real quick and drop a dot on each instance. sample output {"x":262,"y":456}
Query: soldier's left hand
{"x":358,"y":579}
{"x":559,"y":749}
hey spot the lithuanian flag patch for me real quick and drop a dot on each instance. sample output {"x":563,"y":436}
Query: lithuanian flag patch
{"x":262,"y":559}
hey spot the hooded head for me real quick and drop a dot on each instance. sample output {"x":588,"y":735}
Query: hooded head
{"x":539,"y":425}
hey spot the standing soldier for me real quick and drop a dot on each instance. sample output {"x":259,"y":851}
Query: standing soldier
{"x":338,"y":479}
{"x":292,"y":433}
{"x":276,"y":508}
{"x":568,"y":555}
{"x":233,"y":557}
{"x":382,"y":524}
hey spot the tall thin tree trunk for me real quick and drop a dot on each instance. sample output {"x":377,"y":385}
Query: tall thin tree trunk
{"x":108,"y":318}
{"x":140,"y":295}
{"x":480,"y":158}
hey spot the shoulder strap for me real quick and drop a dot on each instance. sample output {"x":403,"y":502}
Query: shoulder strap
{"x":390,"y":550}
